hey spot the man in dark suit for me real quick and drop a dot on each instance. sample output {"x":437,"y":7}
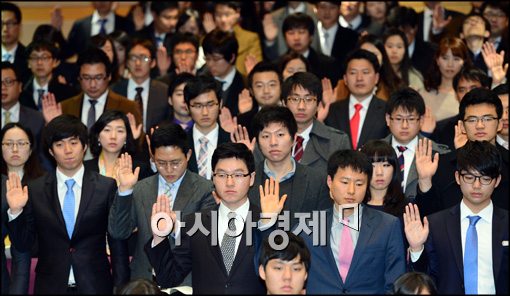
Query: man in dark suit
{"x":187,"y":192}
{"x":475,"y":32}
{"x":12,"y":50}
{"x":436,"y":22}
{"x":102,"y":21}
{"x":496,"y":12}
{"x":362,"y":115}
{"x":150,"y":95}
{"x":464,"y":248}
{"x":351,"y":16}
{"x":66,"y":215}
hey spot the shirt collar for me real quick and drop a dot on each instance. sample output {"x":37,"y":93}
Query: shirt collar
{"x":306,"y":53}
{"x":132,"y":84}
{"x":175,"y":184}
{"x":502,"y":142}
{"x":78,"y":176}
{"x":411,"y":47}
{"x":228,"y":79}
{"x":336,"y":216}
{"x":241,"y":211}
{"x":210,"y":136}
{"x":306,"y":133}
{"x":410,"y":146}
{"x":331,"y":31}
{"x":37,"y":86}
{"x":12,"y":51}
{"x":14,"y":110}
{"x":365,"y":103}
{"x":485,"y":214}
{"x":287,"y":176}
{"x":300,"y":8}
{"x":101,"y":99}
{"x":96,"y":17}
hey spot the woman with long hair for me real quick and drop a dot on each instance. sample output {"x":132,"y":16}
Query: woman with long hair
{"x":121,"y":43}
{"x":291,"y":63}
{"x":106,"y":44}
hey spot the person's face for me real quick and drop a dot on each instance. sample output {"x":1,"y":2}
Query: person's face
{"x":381,"y":175}
{"x":298,"y":40}
{"x":102,"y":7}
{"x":204,"y":110}
{"x":108,"y":49}
{"x":68,"y":154}
{"x":113,"y":136}
{"x":233,"y":193}
{"x":407,"y":129}
{"x":303,"y":112}
{"x":504,"y":118}
{"x":166,"y":21}
{"x":410,"y":32}
{"x":474,"y":26}
{"x":349,"y":9}
{"x":16,"y":156}
{"x":347,"y":186}
{"x":275,"y":142}
{"x":449,"y":65}
{"x":171,"y":162}
{"x":293,"y":66}
{"x":177,"y":101}
{"x":497,"y":18}
{"x":10,"y":28}
{"x":190,"y":26}
{"x":395,"y":48}
{"x":139,"y":68}
{"x":327,"y":13}
{"x":10,"y":94}
{"x":41,"y":63}
{"x":360,"y":77}
{"x":185,"y":55}
{"x":476,"y":195}
{"x":121,"y":52}
{"x":93,"y":79}
{"x":376,"y":9}
{"x":481,"y":131}
{"x":218,"y":65}
{"x":266,"y":88}
{"x":284,"y":277}
{"x":225,"y":17}
{"x":373,"y":49}
{"x":465,"y":86}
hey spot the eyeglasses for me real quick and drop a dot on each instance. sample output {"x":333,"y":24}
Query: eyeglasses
{"x":36,"y":59}
{"x":19,"y":144}
{"x":97,"y":78}
{"x":309,"y":100}
{"x":488,"y":15}
{"x":209,"y":105}
{"x":409,"y":120}
{"x":10,"y":24}
{"x":470,"y":179}
{"x":8,"y":82}
{"x":484,"y":119}
{"x":165,"y":164}
{"x":213,"y":59}
{"x":235,"y":176}
{"x":142,"y":58}
{"x":184,"y":52}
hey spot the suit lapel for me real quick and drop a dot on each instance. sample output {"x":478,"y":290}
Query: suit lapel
{"x":314,"y":150}
{"x":368,"y":224}
{"x":454,"y":237}
{"x":214,"y":248}
{"x":497,"y":239}
{"x":184,"y":193}
{"x":87,"y":194}
{"x":151,"y":103}
{"x":51,"y":193}
{"x":192,"y":164}
{"x":299,"y":188}
{"x":328,"y":253}
{"x":344,"y":118}
{"x":151,"y":197}
{"x":369,"y":124}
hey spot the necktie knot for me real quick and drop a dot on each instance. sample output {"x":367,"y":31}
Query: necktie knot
{"x":70,"y":183}
{"x":402,"y":149}
{"x":232,"y":221}
{"x":473,"y":220}
{"x":40,"y":92}
{"x":6,"y":57}
{"x":139,"y":90}
{"x":102,"y":29}
{"x":93,"y":102}
{"x":7,"y":116}
{"x":203,"y":141}
{"x":358,"y":107}
{"x":300,"y":140}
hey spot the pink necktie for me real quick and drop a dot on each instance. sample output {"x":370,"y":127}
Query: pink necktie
{"x":355,"y":126}
{"x":345,"y":250}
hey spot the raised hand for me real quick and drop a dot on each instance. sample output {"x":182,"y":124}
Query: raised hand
{"x":270,"y":201}
{"x":148,"y":140}
{"x":56,"y":18}
{"x":240,"y":135}
{"x":250,"y":62}
{"x":245,"y":102}
{"x":426,"y":166}
{"x":135,"y":129}
{"x":227,"y":123}
{"x":16,"y":194}
{"x":270,"y":28}
{"x":328,"y":97}
{"x":163,"y":60}
{"x":429,"y":121}
{"x":184,"y":66}
{"x":460,"y":138}
{"x":438,"y":20}
{"x":162,"y":205}
{"x":50,"y":108}
{"x":126,"y":177}
{"x":494,"y":62}
{"x":138,"y":17}
{"x":416,"y":232}
{"x":208,"y":22}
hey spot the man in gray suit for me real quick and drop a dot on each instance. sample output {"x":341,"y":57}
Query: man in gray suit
{"x":405,"y":112}
{"x":187,"y":193}
{"x":315,"y":142}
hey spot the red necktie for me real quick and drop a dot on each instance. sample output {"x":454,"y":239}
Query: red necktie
{"x":355,"y":126}
{"x":298,"y":150}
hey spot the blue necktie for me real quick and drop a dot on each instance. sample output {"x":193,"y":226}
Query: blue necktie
{"x":102,"y":29}
{"x":68,"y":209}
{"x":471,"y":257}
{"x":6,"y":57}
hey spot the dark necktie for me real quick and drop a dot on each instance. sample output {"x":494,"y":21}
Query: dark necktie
{"x":298,"y":150}
{"x":102,"y":29}
{"x":401,"y":149}
{"x":40,"y":94}
{"x":138,"y":98}
{"x":91,"y":116}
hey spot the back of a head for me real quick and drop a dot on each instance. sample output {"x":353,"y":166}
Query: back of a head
{"x":480,"y":156}
{"x":140,"y":287}
{"x":414,"y":283}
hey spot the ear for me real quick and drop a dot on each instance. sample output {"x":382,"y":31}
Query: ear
{"x":461,"y":35}
{"x":500,"y":125}
{"x":262,"y":272}
{"x":51,"y":153}
{"x":498,"y":180}
{"x":329,"y":181}
{"x":252,"y":179}
{"x":376,"y":78}
{"x":486,"y":34}
{"x":188,"y":155}
{"x":387,"y":116}
{"x":153,"y":63}
{"x":457,"y":177}
{"x":233,"y":59}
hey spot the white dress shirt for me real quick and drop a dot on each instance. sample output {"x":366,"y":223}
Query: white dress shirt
{"x":212,"y":137}
{"x":173,"y":189}
{"x":327,"y":47}
{"x":300,"y":8}
{"x":408,"y":156}
{"x":100,"y":105}
{"x":427,"y":23}
{"x":223,"y":211}
{"x":353,"y":25}
{"x":306,"y":137}
{"x":14,"y":110}
{"x":499,"y":140}
{"x":131,"y":93}
{"x":35,"y":93}
{"x":12,"y":52}
{"x":362,"y":113}
{"x":229,"y":78}
{"x":109,"y":26}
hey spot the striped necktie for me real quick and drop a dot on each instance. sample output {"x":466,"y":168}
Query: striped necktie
{"x":202,"y":157}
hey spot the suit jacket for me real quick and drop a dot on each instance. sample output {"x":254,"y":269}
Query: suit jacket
{"x":378,"y":258}
{"x":374,"y":126}
{"x":20,"y":63}
{"x":42,"y":221}
{"x":196,"y":254}
{"x":61,"y":92}
{"x":412,"y":178}
{"x":158,"y":108}
{"x":321,"y":66}
{"x":114,"y":101}
{"x":445,"y":131}
{"x":423,"y":55}
{"x":230,"y":96}
{"x":149,"y":33}
{"x":451,"y":30}
{"x":442,"y":257}
{"x":194,"y":194}
{"x":223,"y":137}
{"x":249,"y":43}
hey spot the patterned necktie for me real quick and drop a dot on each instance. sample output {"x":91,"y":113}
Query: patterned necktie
{"x":202,"y":157}
{"x":298,"y":150}
{"x":168,"y":193}
{"x":102,"y":23}
{"x":68,"y":209}
{"x":345,"y":250}
{"x":91,"y":116}
{"x":401,"y":149}
{"x":40,"y":94}
{"x":7,"y":117}
{"x":138,"y":98}
{"x":355,"y":125}
{"x":471,"y":257}
{"x":6,"y":57}
{"x":228,"y":243}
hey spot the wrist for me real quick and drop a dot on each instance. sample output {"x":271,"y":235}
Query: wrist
{"x":425,"y":184}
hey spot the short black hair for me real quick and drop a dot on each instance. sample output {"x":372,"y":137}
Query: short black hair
{"x":121,"y":37}
{"x":347,"y":158}
{"x":501,"y":89}
{"x":263,"y":66}
{"x":286,"y":58}
{"x":93,"y":55}
{"x":49,"y":33}
{"x":408,"y":99}
{"x":105,"y":118}
{"x":306,"y":80}
{"x":232,"y":4}
{"x":413,"y":282}
{"x":145,"y":43}
{"x":199,"y":85}
{"x":295,"y":247}
{"x":472,"y":73}
{"x":478,"y":96}
{"x":40,"y":45}
{"x":62,"y":127}
{"x":223,"y":43}
{"x":180,"y":38}
{"x":8,"y":65}
{"x":362,"y":54}
{"x":274,"y":114}
{"x":178,"y":80}
{"x":169,"y":134}
{"x":140,"y":287}
{"x":480,"y":156}
{"x":401,"y":17}
{"x":8,"y":6}
{"x":298,"y":20}
{"x":159,"y":6}
{"x":233,"y":150}
{"x":501,"y":5}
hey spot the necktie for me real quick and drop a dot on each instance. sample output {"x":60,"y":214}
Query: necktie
{"x":401,"y":149}
{"x":68,"y":209}
{"x":202,"y":157}
{"x":355,"y":126}
{"x":6,"y":57}
{"x":40,"y":94}
{"x":159,"y":41}
{"x":228,"y":243}
{"x":345,"y":250}
{"x":7,"y":117}
{"x":326,"y":42}
{"x":168,"y":193}
{"x":138,"y":98}
{"x":471,"y":257}
{"x":102,"y":29}
{"x":91,"y":116}
{"x":298,"y":150}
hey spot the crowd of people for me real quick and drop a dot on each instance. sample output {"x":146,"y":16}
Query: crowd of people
{"x":368,"y":141}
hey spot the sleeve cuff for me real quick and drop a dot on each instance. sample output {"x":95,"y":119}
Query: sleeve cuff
{"x":415,"y":255}
{"x":126,"y":193}
{"x":11,"y":216}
